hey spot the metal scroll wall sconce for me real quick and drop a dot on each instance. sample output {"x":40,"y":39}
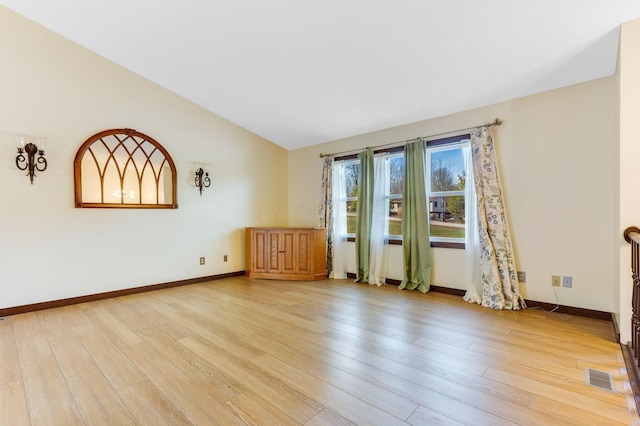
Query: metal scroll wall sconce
{"x":202,"y":177}
{"x":26,"y":146}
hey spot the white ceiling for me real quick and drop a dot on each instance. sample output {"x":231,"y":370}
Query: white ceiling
{"x":302,"y":72}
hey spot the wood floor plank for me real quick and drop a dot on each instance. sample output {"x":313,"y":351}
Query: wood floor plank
{"x":389,"y":402}
{"x":253,"y":410}
{"x":287,"y":399}
{"x":565,"y":383}
{"x":74,"y":314}
{"x":13,"y":405}
{"x":424,"y":416}
{"x":259,"y":307}
{"x":330,"y":396}
{"x":328,"y":417}
{"x":553,"y":344}
{"x":119,"y":334}
{"x":201,"y":407}
{"x":207,"y":377}
{"x":30,"y":338}
{"x":48,"y":397}
{"x":10,"y":365}
{"x":97,"y":401}
{"x":71,"y":355}
{"x":409,"y":353}
{"x":485,"y":399}
{"x":221,"y":332}
{"x":116,"y":367}
{"x":572,"y":415}
{"x":586,"y":404}
{"x":137,"y":313}
{"x":491,"y":359}
{"x":149,"y":406}
{"x":399,"y":377}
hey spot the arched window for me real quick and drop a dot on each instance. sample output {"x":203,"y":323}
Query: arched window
{"x":123,"y":168}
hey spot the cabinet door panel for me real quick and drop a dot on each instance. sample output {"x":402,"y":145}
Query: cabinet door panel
{"x":288,"y":251}
{"x":274,"y":252}
{"x":260,"y":244}
{"x":303,"y":249}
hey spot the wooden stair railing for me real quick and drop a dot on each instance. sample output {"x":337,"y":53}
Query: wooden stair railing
{"x":631,"y":352}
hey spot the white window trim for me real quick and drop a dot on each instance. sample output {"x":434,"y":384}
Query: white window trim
{"x":439,"y":148}
{"x":345,"y":200}
{"x":389,"y":157}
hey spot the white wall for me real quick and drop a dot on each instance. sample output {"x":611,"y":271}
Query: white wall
{"x":50,"y":250}
{"x":629,"y":171}
{"x":557,"y":154}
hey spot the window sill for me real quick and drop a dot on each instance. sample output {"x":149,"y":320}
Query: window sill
{"x":450,"y":245}
{"x":438,"y":244}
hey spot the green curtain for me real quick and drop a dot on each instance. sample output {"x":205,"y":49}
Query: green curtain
{"x":364,"y":215}
{"x":415,"y":223}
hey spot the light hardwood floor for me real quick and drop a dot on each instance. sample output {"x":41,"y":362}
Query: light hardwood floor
{"x":243,"y":351}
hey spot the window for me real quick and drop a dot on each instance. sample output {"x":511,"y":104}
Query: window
{"x":446,"y":180}
{"x":350,"y":174}
{"x":446,"y":183}
{"x":396,"y":187}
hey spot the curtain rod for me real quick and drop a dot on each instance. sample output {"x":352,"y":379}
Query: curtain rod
{"x":495,"y":122}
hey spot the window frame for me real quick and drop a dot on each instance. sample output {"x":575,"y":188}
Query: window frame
{"x":451,"y":140}
{"x":445,"y":241}
{"x":393,"y":239}
{"x":346,"y":160}
{"x":431,"y":145}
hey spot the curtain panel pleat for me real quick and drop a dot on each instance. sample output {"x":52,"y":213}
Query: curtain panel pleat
{"x":471,"y":242}
{"x":364,"y":215}
{"x":380,"y":222}
{"x":415,"y":224}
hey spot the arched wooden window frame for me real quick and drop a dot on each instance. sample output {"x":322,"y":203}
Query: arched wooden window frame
{"x":125,"y":136}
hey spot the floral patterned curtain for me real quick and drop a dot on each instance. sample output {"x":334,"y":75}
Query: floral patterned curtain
{"x":326,"y":208}
{"x":500,"y":289}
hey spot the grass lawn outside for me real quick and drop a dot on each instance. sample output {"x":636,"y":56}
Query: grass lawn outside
{"x":395,"y":228}
{"x":446,"y":231}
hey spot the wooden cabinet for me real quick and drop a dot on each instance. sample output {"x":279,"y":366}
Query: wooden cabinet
{"x":286,"y":253}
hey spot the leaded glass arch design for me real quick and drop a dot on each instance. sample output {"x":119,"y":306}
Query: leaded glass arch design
{"x":123,"y":168}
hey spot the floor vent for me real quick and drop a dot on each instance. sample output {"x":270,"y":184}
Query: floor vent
{"x":599,"y":379}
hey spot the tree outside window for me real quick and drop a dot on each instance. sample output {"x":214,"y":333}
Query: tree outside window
{"x":351,"y":175}
{"x":446,"y":198}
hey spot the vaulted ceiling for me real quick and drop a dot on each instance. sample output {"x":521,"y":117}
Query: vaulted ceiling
{"x":302,"y":72}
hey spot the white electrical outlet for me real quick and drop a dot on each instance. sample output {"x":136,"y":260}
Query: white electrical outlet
{"x":202,"y":260}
